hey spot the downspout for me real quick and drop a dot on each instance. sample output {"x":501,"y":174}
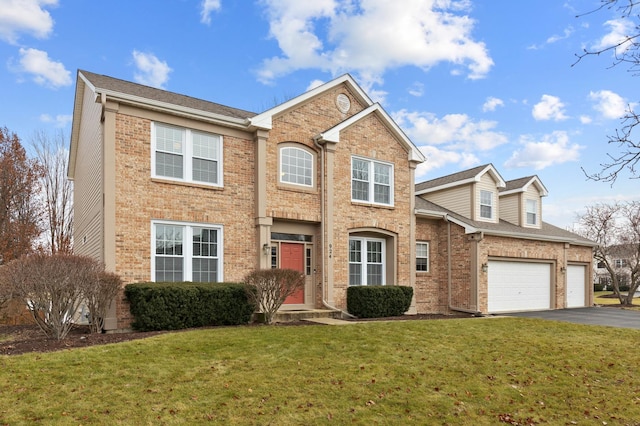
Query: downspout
{"x":322,"y":233}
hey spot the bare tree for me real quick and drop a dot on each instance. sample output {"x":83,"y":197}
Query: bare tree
{"x":20,"y":216}
{"x":625,"y":52}
{"x":57,"y":190}
{"x":616,"y":230}
{"x":268,"y":289}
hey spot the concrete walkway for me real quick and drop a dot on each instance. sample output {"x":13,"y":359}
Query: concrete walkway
{"x":611,"y":317}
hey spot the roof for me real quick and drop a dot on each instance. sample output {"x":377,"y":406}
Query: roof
{"x":522,"y":184}
{"x":460,"y":178}
{"x":547,"y":232}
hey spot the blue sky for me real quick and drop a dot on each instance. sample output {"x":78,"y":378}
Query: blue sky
{"x":470,"y":82}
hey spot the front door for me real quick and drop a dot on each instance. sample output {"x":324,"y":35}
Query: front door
{"x":292,"y":257}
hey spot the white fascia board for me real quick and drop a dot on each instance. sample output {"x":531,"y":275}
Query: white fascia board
{"x":264,"y":120}
{"x":446,"y":186}
{"x":496,"y":176}
{"x":432,"y":214}
{"x":535,"y":181}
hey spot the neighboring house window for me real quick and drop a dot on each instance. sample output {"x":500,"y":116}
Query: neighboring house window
{"x":601,"y":265}
{"x":532,"y":212}
{"x":296,"y":166}
{"x":620,"y":263}
{"x":486,"y":204}
{"x":186,"y":155}
{"x":371,"y":181}
{"x":186,"y":253}
{"x":422,"y":257}
{"x":366,"y":261}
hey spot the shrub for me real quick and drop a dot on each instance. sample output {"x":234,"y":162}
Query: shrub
{"x":268,"y":289}
{"x":598,"y":287}
{"x":173,"y":306}
{"x":98,"y":295}
{"x":52,"y":287}
{"x":378,"y":301}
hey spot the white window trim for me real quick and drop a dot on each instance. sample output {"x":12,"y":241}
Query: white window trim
{"x":428,"y":257}
{"x":281,"y":174}
{"x":364,"y":263}
{"x":492,"y":206}
{"x":371,"y":181}
{"x":527,"y":212}
{"x":187,"y":156}
{"x":187,"y":246}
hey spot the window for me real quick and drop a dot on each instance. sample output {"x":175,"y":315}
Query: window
{"x":296,"y":166}
{"x":532,"y":212}
{"x":366,"y":261}
{"x":422,"y":257}
{"x":486,"y":204}
{"x":371,"y":181}
{"x":186,"y":155}
{"x":186,"y":253}
{"x":620,"y":263}
{"x":601,"y":265}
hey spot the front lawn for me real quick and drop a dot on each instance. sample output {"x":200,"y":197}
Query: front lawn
{"x":467,"y":371}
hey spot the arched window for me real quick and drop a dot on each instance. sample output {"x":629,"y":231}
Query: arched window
{"x":296,"y":166}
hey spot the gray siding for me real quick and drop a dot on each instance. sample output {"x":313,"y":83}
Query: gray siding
{"x":509,"y":208}
{"x":456,"y":199}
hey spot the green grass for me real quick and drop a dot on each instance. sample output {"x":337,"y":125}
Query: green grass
{"x":470,"y":371}
{"x":598,"y":299}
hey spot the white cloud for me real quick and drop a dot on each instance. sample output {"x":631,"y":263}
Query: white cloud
{"x":585,"y":119}
{"x":438,"y":158}
{"x":609,"y":104}
{"x":151,"y":70}
{"x":25,"y":16}
{"x":620,"y":30}
{"x":59,"y":120}
{"x":553,"y":148}
{"x":492,"y":103}
{"x":45,"y":71}
{"x":416,"y":89}
{"x":314,"y":84}
{"x":457,"y":131}
{"x":208,"y":6}
{"x":549,"y":108}
{"x":369,"y":37}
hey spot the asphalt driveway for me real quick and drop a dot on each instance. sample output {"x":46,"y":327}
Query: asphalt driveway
{"x":612,"y":317}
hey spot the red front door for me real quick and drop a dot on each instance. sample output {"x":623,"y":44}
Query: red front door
{"x":292,"y":257}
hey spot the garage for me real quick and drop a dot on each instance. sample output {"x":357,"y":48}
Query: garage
{"x":576,"y":284}
{"x":518,"y":286}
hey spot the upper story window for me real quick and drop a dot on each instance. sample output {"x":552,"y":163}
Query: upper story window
{"x":186,"y":155}
{"x":422,"y":257}
{"x":486,"y":204}
{"x":296,"y":166}
{"x":620,"y":263}
{"x":532,"y":212}
{"x":371,"y":181}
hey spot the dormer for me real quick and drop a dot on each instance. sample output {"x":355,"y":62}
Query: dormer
{"x":472,"y":193}
{"x":521,"y":202}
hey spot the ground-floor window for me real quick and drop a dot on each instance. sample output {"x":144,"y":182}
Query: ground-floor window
{"x":186,"y":252}
{"x":366,"y":261}
{"x":422,"y":257}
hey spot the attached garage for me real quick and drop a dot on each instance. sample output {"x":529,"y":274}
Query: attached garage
{"x":518,"y":286}
{"x":576,"y":286}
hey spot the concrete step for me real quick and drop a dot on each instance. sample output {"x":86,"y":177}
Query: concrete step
{"x":300,"y":315}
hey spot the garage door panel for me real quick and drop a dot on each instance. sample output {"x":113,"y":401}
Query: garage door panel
{"x":518,"y":286}
{"x":576,"y":294}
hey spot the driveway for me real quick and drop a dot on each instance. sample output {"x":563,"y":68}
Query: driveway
{"x":612,"y":317}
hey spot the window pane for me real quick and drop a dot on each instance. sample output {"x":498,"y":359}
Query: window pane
{"x":422,"y":264}
{"x":355,"y":251}
{"x":205,"y":171}
{"x":382,"y":173}
{"x":169,"y":240}
{"x":360,"y":170}
{"x":296,"y":166}
{"x":382,"y":194}
{"x":205,"y":145}
{"x":169,"y":139}
{"x":374,"y":252}
{"x":169,"y":165}
{"x":205,"y":270}
{"x":422,"y":250}
{"x":360,"y":190}
{"x":355,"y":274}
{"x":374,"y":274}
{"x":205,"y":242}
{"x":169,"y":269}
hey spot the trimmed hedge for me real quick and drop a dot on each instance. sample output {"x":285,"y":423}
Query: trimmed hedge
{"x":378,"y":301}
{"x":173,"y":306}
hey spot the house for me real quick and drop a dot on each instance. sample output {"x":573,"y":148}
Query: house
{"x":620,"y":259}
{"x":172,"y":188}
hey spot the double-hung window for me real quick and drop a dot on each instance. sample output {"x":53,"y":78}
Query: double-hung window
{"x":296,"y":166}
{"x":366,"y":261}
{"x":486,"y":204}
{"x":532,"y":212}
{"x":371,"y":181}
{"x":186,"y":252}
{"x":422,"y":257}
{"x":186,"y":155}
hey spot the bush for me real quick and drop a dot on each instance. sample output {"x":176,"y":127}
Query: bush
{"x":173,"y":306}
{"x":52,"y":286}
{"x":98,"y":295}
{"x":378,"y":301}
{"x":598,"y":287}
{"x":268,"y":289}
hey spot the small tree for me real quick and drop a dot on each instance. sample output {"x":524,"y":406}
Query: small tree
{"x":52,"y":287}
{"x":98,"y":295}
{"x":268,"y":289}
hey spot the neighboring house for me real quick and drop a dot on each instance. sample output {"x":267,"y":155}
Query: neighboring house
{"x":620,"y":258}
{"x":173,"y":188}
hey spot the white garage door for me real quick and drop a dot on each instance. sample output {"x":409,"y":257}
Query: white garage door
{"x":576,"y":286}
{"x":519,"y":286}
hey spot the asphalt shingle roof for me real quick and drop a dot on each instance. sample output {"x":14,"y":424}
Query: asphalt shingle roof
{"x":452,"y":178}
